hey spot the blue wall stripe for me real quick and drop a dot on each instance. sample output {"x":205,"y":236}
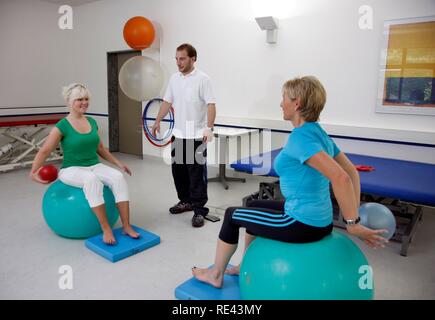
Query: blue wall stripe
{"x":336,"y":136}
{"x":32,"y":114}
{"x":427,"y":145}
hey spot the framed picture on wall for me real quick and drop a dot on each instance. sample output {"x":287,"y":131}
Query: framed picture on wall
{"x":407,"y":74}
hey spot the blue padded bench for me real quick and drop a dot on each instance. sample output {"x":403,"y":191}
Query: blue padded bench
{"x":407,"y":186}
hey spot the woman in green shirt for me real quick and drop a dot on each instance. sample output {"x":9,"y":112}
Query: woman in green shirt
{"x":81,"y":167}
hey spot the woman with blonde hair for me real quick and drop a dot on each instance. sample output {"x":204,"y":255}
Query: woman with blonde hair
{"x":81,"y":167}
{"x":307,"y":165}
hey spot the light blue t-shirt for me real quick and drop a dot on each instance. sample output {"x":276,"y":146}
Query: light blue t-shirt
{"x":306,"y":190}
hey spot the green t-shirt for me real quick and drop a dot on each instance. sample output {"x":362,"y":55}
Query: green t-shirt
{"x":79,"y":149}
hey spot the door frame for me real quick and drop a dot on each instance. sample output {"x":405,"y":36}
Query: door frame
{"x":112,"y":93}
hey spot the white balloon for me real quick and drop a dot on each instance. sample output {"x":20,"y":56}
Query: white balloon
{"x":141,"y":78}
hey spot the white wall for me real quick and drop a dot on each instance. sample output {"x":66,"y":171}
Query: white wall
{"x":325,"y":41}
{"x":247,"y":73}
{"x":36,"y":57}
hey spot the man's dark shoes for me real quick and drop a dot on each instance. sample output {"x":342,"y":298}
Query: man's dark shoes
{"x":197,"y":221}
{"x":181,"y":207}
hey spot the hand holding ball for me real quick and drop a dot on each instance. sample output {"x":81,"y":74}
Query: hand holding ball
{"x":48,"y":173}
{"x":377,"y":216}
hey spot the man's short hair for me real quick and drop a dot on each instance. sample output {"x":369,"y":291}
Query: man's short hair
{"x":191,"y":51}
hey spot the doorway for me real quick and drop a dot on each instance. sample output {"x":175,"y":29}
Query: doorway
{"x":125,"y":114}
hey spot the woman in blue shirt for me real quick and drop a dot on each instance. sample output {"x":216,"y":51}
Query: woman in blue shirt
{"x":308,"y":163}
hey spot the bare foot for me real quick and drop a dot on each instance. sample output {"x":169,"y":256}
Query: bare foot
{"x":233,"y":271}
{"x":130,"y":231}
{"x":108,"y":237}
{"x":208,"y":276}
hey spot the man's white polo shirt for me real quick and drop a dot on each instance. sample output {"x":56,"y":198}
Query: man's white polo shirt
{"x":189,"y":95}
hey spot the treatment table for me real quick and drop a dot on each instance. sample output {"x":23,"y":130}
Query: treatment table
{"x":25,"y":135}
{"x":406,"y":187}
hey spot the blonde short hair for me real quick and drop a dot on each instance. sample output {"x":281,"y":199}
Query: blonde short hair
{"x":312,"y":96}
{"x":75,"y":91}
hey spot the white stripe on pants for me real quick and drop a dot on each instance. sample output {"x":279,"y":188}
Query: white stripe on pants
{"x":92,"y":180}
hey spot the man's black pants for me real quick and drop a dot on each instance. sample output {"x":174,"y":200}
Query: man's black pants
{"x":189,"y":170}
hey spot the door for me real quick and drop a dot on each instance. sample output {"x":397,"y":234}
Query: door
{"x":125,"y":114}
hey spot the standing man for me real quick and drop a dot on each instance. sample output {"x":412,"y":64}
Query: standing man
{"x":191,"y":95}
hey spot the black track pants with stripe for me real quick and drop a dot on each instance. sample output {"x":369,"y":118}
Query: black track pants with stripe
{"x":266,"y":218}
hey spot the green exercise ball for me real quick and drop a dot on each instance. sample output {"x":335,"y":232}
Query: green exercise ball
{"x":67,"y":212}
{"x":333,"y":268}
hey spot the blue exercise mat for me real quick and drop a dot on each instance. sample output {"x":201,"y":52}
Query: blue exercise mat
{"x":193,"y":289}
{"x":125,"y":246}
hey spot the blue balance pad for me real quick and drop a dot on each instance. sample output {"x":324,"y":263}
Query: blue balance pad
{"x":125,"y":246}
{"x":193,"y":289}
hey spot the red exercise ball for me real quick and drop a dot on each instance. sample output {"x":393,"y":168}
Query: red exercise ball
{"x":139,"y":33}
{"x":48,"y":173}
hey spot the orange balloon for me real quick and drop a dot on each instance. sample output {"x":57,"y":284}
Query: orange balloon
{"x":139,"y":33}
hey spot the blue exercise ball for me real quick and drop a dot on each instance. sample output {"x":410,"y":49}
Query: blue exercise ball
{"x":333,"y":268}
{"x":377,"y":216}
{"x":67,"y":212}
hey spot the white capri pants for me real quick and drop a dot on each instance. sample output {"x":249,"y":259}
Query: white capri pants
{"x":92,"y":180}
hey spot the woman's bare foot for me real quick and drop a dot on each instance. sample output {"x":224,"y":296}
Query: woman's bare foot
{"x":209,"y":276}
{"x":130,"y":231}
{"x":233,"y":271}
{"x":108,"y":237}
